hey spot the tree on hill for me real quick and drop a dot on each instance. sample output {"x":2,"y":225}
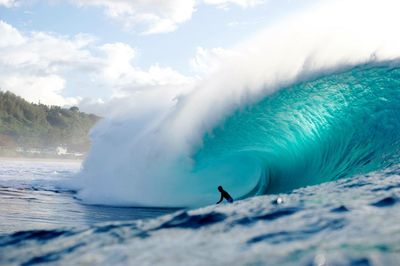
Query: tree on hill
{"x":33,"y":125}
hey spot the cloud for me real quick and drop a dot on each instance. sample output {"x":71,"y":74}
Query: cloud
{"x":207,"y":61}
{"x":157,"y":16}
{"x":44,"y":89}
{"x":120,"y":71}
{"x":126,"y":79}
{"x":244,"y":24}
{"x":35,"y":65}
{"x":134,"y":87}
{"x":9,"y":35}
{"x":148,"y":17}
{"x":8,"y":3}
{"x":225,"y":3}
{"x":153,"y":16}
{"x":39,"y":66}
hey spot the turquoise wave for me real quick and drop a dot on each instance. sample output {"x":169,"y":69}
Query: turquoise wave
{"x":329,"y":128}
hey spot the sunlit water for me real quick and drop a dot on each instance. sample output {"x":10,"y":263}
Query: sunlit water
{"x":352,"y":221}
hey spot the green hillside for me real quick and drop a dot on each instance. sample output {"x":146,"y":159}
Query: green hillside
{"x":38,"y":126}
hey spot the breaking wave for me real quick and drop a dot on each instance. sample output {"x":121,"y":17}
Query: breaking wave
{"x":300,"y":103}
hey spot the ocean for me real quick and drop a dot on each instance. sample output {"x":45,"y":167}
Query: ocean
{"x":32,"y":198}
{"x":351,"y":221}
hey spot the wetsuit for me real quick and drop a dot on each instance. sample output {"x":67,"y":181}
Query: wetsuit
{"x":225,"y":195}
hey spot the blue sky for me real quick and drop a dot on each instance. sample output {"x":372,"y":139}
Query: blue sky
{"x":128,"y":45}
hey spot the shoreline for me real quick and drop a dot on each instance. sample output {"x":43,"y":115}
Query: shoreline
{"x":41,"y":159}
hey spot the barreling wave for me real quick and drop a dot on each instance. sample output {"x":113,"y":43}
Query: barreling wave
{"x":317,"y":131}
{"x":332,"y":127}
{"x":309,"y":100}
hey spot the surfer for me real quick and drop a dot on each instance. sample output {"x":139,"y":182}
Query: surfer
{"x":224,"y":195}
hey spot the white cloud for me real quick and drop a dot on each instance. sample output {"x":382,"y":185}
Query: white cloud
{"x":39,"y":66}
{"x":149,"y":16}
{"x":155,"y":16}
{"x":126,"y":78}
{"x":244,"y":24}
{"x":226,"y":3}
{"x":46,"y":53}
{"x":34,"y":65}
{"x":9,"y":35}
{"x":8,"y":3}
{"x":158,"y":16}
{"x":44,"y":89}
{"x":207,"y":61}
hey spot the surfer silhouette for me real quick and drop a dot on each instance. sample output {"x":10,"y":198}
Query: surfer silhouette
{"x":224,"y":195}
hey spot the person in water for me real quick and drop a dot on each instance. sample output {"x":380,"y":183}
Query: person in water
{"x":224,"y":195}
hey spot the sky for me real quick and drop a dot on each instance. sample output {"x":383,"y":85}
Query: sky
{"x":89,"y":53}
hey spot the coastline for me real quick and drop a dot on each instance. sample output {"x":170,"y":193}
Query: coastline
{"x":41,"y":159}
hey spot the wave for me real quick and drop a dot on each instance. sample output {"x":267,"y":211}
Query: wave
{"x":279,"y":115}
{"x":317,"y":131}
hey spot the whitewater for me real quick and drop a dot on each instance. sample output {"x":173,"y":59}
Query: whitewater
{"x":300,"y":124}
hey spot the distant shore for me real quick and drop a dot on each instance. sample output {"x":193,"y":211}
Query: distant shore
{"x":46,"y":154}
{"x":40,"y":159}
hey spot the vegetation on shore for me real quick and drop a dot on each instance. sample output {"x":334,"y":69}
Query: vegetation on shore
{"x":37,"y":126}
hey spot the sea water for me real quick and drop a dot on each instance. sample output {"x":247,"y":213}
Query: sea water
{"x":32,"y":197}
{"x":352,"y":221}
